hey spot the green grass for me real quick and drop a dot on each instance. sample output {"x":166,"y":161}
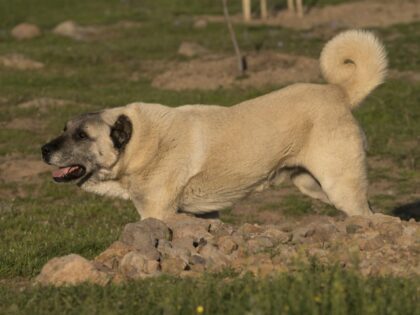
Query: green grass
{"x":312,"y":290}
{"x":50,"y":220}
{"x":51,"y":223}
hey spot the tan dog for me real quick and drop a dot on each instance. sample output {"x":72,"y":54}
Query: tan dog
{"x":199,"y":158}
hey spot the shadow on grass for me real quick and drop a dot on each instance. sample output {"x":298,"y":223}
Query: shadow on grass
{"x":408,"y":211}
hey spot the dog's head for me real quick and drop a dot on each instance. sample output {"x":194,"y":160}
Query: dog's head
{"x":87,"y":147}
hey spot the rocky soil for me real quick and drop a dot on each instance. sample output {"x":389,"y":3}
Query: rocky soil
{"x":189,"y":246}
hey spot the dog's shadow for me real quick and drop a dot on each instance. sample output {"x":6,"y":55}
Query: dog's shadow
{"x":408,"y":211}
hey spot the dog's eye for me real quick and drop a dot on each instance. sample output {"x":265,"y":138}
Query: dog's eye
{"x":81,"y":135}
{"x":65,"y":128}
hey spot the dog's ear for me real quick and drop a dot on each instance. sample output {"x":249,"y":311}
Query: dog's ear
{"x":121,"y":132}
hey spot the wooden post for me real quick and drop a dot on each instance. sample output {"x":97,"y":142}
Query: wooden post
{"x":263,"y":6}
{"x":299,"y":8}
{"x":291,"y":6}
{"x":246,"y":10}
{"x":242,"y":65}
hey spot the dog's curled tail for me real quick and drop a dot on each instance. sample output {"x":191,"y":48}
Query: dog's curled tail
{"x":356,"y":61}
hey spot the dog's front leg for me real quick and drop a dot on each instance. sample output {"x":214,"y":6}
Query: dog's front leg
{"x":157,"y":197}
{"x":157,"y":206}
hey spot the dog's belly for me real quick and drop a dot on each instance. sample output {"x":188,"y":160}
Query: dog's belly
{"x":202,"y":197}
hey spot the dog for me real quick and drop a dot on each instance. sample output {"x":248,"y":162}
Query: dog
{"x":202,"y":158}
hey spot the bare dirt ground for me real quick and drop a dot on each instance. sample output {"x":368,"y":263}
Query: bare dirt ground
{"x":265,"y":68}
{"x":215,"y":71}
{"x":354,"y":14}
{"x":15,"y":170}
{"x":29,"y":124}
{"x":18,"y":169}
{"x":43,"y":104}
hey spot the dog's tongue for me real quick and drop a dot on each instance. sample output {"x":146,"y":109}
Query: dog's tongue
{"x":64,"y":171}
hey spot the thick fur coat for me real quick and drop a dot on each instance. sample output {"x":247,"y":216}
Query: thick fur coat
{"x":201,"y":158}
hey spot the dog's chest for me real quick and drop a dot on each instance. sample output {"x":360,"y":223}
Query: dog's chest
{"x":107,"y":188}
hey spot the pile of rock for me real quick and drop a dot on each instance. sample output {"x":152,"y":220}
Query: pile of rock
{"x":188,"y":246}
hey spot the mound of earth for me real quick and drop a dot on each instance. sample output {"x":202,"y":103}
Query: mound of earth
{"x":188,"y":246}
{"x":359,"y":14}
{"x":215,"y":71}
{"x":265,"y":68}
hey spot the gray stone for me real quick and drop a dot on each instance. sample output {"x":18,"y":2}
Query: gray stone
{"x":185,"y":226}
{"x":197,"y":259}
{"x":167,"y":249}
{"x":145,"y":235}
{"x":226,"y":244}
{"x":173,"y":265}
{"x":185,"y":243}
{"x":112,"y":256}
{"x":276,"y":235}
{"x":135,"y":265}
{"x":215,"y":259}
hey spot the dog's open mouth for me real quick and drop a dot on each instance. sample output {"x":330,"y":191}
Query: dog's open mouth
{"x":69,"y":173}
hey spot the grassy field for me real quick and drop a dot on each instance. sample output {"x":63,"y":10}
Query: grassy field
{"x":310,"y":291}
{"x":40,"y":220}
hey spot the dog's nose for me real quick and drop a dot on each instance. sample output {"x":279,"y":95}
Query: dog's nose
{"x":46,"y":151}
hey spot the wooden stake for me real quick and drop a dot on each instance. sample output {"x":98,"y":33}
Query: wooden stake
{"x":246,"y":10}
{"x":263,"y":6}
{"x":291,"y":6}
{"x":241,"y":60}
{"x":299,"y":8}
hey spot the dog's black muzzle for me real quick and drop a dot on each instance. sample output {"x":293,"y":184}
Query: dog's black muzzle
{"x":51,"y":147}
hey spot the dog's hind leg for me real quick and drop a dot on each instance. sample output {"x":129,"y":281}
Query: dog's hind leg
{"x":340,"y":169}
{"x":309,"y":186}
